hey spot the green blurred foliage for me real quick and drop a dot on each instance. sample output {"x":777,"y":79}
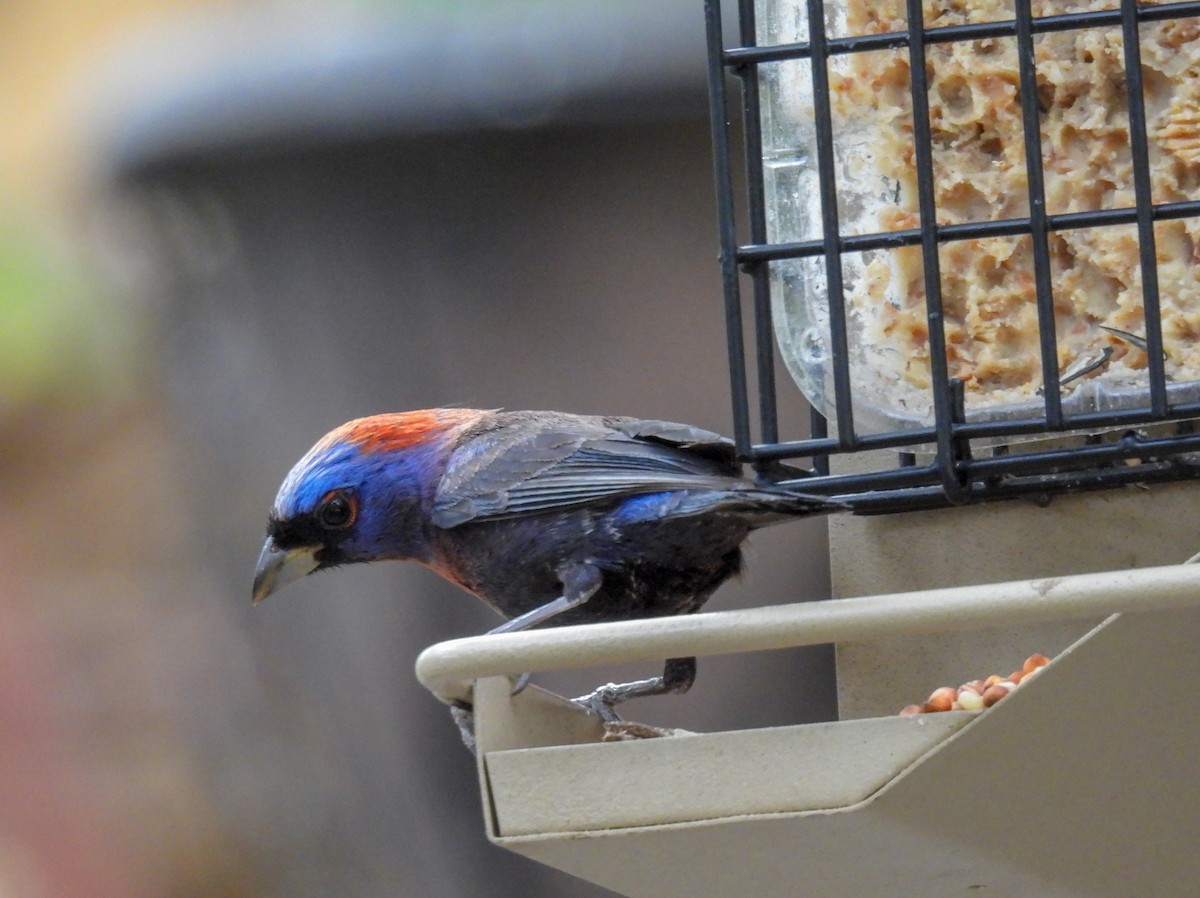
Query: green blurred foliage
{"x":61,"y":336}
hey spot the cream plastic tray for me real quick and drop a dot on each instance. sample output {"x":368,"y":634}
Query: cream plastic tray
{"x":1080,"y":783}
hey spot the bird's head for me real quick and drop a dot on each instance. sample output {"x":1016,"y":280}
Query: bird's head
{"x":356,"y":496}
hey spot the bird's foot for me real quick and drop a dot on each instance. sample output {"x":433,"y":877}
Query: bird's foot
{"x":463,"y":713}
{"x":464,"y":718}
{"x":601,"y":700}
{"x":678,"y":676}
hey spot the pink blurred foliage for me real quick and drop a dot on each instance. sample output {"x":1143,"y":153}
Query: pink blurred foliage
{"x":63,"y":836}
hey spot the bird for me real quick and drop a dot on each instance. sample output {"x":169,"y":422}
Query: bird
{"x":550,"y":518}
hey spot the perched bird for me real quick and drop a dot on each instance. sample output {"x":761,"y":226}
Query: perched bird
{"x":550,"y":518}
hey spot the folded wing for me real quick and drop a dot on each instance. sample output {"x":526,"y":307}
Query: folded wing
{"x":527,"y":462}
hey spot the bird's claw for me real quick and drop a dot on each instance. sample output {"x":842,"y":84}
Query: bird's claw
{"x":519,"y":683}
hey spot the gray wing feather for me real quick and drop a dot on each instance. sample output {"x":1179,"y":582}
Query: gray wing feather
{"x":682,"y":435}
{"x":526,"y":462}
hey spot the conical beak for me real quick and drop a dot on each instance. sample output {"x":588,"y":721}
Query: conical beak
{"x":277,"y":568}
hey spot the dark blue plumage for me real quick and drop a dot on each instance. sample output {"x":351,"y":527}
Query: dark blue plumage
{"x":550,"y":518}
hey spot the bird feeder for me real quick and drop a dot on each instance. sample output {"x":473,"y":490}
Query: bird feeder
{"x":970,"y":237}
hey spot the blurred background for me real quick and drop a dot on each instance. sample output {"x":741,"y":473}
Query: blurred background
{"x":226,"y":228}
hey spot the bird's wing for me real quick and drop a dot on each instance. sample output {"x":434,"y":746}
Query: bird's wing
{"x":526,"y":462}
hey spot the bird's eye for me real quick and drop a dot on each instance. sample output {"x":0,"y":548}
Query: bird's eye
{"x":337,"y":510}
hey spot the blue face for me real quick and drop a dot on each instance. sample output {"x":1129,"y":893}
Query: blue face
{"x":321,"y":471}
{"x":352,"y":505}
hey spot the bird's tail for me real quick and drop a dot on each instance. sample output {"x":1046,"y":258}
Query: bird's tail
{"x":761,"y":506}
{"x":771,"y":505}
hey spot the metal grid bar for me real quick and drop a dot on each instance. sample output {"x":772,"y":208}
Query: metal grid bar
{"x":954,"y":475}
{"x":973,"y":230}
{"x":1140,"y":152}
{"x":764,"y":337}
{"x":895,"y":40}
{"x":1038,"y":232}
{"x":718,"y":112}
{"x":946,"y":411}
{"x":839,"y":340}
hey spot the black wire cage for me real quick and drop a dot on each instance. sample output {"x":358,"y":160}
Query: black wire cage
{"x":955,"y":454}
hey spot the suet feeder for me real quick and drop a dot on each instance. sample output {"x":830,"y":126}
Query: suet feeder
{"x":916,"y":253}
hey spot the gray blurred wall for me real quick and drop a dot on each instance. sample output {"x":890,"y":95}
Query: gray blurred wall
{"x":308,"y":277}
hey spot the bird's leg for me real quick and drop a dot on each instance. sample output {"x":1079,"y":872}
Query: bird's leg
{"x":580,"y":581}
{"x":678,"y":676}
